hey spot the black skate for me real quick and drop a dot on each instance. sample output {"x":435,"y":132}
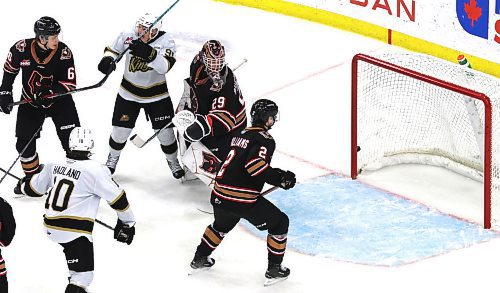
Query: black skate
{"x":17,"y":189}
{"x":201,"y":263}
{"x":276,"y":273}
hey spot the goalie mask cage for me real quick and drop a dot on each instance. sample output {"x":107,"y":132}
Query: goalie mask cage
{"x":412,"y":108}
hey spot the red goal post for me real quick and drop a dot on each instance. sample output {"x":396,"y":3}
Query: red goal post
{"x":399,"y":114}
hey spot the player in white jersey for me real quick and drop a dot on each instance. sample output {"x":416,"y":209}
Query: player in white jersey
{"x":143,"y":86}
{"x":74,"y":189}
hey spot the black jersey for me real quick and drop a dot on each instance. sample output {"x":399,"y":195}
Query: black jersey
{"x":223,"y":106}
{"x":52,"y":69}
{"x":7,"y":230}
{"x":247,"y":167}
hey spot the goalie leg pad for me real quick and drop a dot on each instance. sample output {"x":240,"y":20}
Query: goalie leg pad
{"x":196,"y":158}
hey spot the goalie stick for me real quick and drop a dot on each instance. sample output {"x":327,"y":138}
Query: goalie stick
{"x":101,"y":82}
{"x":262,"y":194}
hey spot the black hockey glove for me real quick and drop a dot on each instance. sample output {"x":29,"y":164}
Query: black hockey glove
{"x":124,"y":233}
{"x":288,"y":180}
{"x":142,"y":50}
{"x":43,"y":98}
{"x":198,"y":129}
{"x":107,"y":65}
{"x":5,"y":100}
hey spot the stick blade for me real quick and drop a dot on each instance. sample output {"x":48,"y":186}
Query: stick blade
{"x":137,"y":141}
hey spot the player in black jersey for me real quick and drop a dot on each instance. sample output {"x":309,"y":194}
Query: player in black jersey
{"x":237,"y":190}
{"x":213,"y":94}
{"x":7,"y":231}
{"x":48,"y":68}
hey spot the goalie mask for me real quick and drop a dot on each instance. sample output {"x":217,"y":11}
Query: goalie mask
{"x":145,"y":22}
{"x":213,"y":56}
{"x":80,"y":139}
{"x":261,"y":111}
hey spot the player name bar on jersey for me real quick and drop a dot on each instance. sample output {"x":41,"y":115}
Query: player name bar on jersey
{"x":63,"y":170}
{"x":239,"y":142}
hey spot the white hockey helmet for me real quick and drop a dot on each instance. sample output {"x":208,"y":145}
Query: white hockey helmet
{"x":80,"y":139}
{"x":146,"y":20}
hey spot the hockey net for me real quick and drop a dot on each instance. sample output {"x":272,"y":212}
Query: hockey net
{"x":412,"y":108}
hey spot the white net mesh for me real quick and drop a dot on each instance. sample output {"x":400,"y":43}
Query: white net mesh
{"x":402,"y":119}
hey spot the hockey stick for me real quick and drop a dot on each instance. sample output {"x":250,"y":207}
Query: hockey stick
{"x":262,"y":194}
{"x":241,"y":64}
{"x":10,"y":174}
{"x":101,"y":82}
{"x":21,"y":153}
{"x":104,"y":224}
{"x":139,"y":142}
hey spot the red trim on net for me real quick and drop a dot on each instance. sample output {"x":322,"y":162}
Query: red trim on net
{"x":432,"y":80}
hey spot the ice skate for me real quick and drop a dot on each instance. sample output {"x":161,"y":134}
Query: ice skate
{"x":176,"y":168}
{"x":112,"y":162}
{"x":201,"y":263}
{"x":17,"y":189}
{"x":276,"y":273}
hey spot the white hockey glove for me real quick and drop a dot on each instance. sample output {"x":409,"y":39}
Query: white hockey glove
{"x":185,"y":101}
{"x":183,"y":119}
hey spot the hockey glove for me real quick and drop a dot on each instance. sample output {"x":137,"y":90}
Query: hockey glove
{"x":107,"y":65}
{"x":198,"y":129}
{"x":142,"y":50}
{"x":124,"y":233}
{"x":288,"y":180}
{"x":183,"y":120}
{"x":5,"y":100}
{"x":43,"y":98}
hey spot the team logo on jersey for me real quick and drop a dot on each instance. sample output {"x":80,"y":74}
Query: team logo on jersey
{"x":138,"y":64}
{"x":66,"y":54}
{"x":210,"y":163}
{"x":37,"y":81}
{"x":128,"y":40}
{"x":21,"y":45}
{"x":124,"y":118}
{"x":25,"y":62}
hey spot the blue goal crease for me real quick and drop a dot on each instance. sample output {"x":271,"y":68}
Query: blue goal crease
{"x":346,"y":220}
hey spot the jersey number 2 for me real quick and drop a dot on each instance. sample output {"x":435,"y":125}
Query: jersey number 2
{"x":228,"y":160}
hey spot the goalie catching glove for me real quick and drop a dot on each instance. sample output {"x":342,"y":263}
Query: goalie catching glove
{"x":124,"y":233}
{"x":194,"y":127}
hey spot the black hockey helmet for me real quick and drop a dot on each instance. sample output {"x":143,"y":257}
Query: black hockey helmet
{"x":47,"y":26}
{"x":261,"y":111}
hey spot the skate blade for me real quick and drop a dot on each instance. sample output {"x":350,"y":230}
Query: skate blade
{"x":269,"y":282}
{"x":196,"y":271}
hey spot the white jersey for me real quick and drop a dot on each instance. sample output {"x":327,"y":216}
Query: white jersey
{"x":74,"y":190}
{"x":144,"y":82}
